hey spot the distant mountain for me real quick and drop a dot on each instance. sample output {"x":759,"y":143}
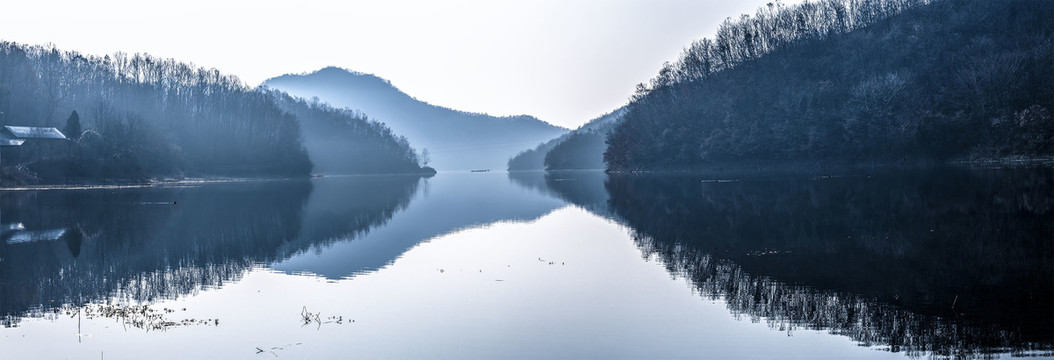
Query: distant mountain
{"x":455,"y":140}
{"x":847,"y":83}
{"x":580,"y":149}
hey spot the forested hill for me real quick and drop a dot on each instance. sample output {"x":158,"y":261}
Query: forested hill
{"x":582,"y":148}
{"x":136,"y":117}
{"x":841,"y":82}
{"x":343,"y":141}
{"x":454,"y":139}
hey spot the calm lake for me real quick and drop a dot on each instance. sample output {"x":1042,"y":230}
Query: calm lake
{"x":952,"y":262}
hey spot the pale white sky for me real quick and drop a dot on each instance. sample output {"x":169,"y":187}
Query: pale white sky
{"x":564,"y":61}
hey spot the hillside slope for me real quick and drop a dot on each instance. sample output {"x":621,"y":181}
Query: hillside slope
{"x":851,"y":83}
{"x":342,"y":142}
{"x":138,"y":117}
{"x":582,"y":148}
{"x":454,"y":139}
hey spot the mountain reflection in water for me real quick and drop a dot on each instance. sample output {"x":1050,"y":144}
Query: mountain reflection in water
{"x":444,"y":204}
{"x":949,"y":262}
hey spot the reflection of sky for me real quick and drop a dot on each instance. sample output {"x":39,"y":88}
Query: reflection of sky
{"x":442,"y":204}
{"x":599,"y":299}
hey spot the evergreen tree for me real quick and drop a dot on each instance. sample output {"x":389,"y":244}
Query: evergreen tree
{"x":73,"y":126}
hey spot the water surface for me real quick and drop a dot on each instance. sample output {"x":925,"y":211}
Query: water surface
{"x":531,"y":265}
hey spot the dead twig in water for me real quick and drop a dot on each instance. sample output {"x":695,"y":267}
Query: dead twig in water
{"x":308,"y":317}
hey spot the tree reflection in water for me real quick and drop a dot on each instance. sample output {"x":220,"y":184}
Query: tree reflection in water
{"x":948,"y":262}
{"x":157,"y":243}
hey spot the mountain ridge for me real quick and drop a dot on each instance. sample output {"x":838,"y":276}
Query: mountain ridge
{"x":455,"y":140}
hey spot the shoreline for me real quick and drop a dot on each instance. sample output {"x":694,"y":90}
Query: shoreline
{"x":131,"y":184}
{"x":112,"y":184}
{"x":810,"y":167}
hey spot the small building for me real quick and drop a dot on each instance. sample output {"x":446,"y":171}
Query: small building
{"x":16,"y":135}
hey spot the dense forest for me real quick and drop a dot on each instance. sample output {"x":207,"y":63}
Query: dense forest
{"x":843,"y":82}
{"x":579,"y":151}
{"x":582,"y":148}
{"x":455,"y":140}
{"x":344,"y":141}
{"x":137,"y":117}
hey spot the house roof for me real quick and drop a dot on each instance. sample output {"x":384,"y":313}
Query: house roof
{"x":32,"y":132}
